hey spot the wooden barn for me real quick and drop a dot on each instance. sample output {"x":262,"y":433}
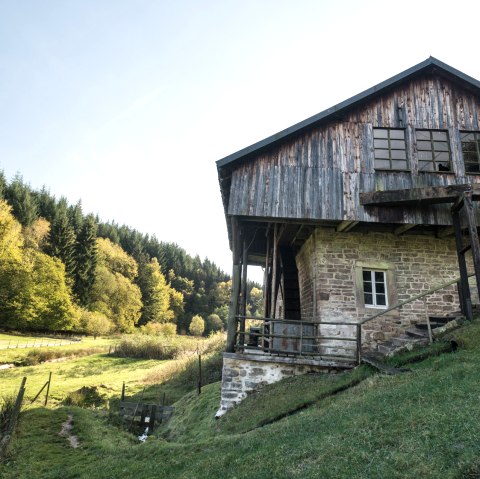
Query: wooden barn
{"x":363,"y":218}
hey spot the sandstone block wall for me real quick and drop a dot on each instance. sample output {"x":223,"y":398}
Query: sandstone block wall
{"x":330,"y":265}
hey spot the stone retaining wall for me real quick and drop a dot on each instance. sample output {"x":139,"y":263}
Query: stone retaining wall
{"x":245,"y":373}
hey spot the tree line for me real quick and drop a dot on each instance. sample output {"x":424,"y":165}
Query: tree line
{"x":61,"y":269}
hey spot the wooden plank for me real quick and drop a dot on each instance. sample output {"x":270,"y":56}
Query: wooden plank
{"x":403,"y":229}
{"x":445,"y":232}
{"x":345,"y":226}
{"x":417,"y":196}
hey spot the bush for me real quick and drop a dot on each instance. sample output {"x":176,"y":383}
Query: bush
{"x":214,"y":323}
{"x":149,"y":347}
{"x":197,"y":326}
{"x":85,"y":397}
{"x":95,"y":323}
{"x":159,"y":329}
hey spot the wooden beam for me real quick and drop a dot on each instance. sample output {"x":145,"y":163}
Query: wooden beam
{"x":417,"y":196}
{"x":274,"y":271}
{"x":346,"y":225}
{"x":403,"y":229}
{"x":243,"y":308}
{"x":236,"y":272}
{"x":464,"y":289}
{"x":445,"y":232}
{"x":474,"y":241}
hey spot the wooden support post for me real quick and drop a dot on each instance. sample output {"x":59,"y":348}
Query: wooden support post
{"x":464,"y":289}
{"x":123,"y":391}
{"x":243,"y":308}
{"x":233,"y":311}
{"x":153,"y":414}
{"x":273,"y":300}
{"x":427,"y":319}
{"x":266,"y":276}
{"x":472,"y":229}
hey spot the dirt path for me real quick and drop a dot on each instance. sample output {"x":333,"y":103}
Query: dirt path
{"x":66,"y":432}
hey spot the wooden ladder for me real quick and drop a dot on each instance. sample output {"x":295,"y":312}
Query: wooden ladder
{"x":463,"y":206}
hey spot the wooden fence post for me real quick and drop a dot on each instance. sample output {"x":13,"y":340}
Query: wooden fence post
{"x":199,"y":373}
{"x":48,"y":387}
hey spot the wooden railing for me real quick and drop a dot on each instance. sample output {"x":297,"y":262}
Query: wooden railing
{"x":312,"y":344}
{"x":292,"y":337}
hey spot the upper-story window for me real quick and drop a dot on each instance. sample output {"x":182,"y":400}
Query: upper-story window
{"x":471,"y":150}
{"x":390,"y":149}
{"x":433,"y":150}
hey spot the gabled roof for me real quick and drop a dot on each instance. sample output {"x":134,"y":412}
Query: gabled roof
{"x":430,"y":65}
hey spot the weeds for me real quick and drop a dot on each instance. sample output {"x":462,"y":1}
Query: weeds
{"x":37,"y":356}
{"x":85,"y":397}
{"x":7,"y":405}
{"x":165,"y":347}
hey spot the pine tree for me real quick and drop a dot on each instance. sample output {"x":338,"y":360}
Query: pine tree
{"x":86,"y":260}
{"x":47,"y":206}
{"x":62,"y":243}
{"x":20,"y":197}
{"x":75,"y":216}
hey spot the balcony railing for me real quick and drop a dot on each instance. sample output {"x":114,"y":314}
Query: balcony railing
{"x":339,"y":341}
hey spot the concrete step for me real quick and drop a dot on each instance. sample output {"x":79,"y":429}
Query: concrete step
{"x":424,"y":326}
{"x":415,"y":332}
{"x":444,"y":319}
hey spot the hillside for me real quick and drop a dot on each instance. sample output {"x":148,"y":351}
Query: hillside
{"x":62,"y":269}
{"x":425,"y":423}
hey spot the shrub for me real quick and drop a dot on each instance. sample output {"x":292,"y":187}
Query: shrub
{"x":95,"y":323}
{"x":214,"y":323}
{"x":197,"y":326}
{"x":159,"y":329}
{"x":149,"y":347}
{"x":85,"y":397}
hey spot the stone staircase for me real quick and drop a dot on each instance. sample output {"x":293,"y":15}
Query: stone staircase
{"x":417,"y":335}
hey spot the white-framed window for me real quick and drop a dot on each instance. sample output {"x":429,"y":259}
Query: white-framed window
{"x":374,"y":289}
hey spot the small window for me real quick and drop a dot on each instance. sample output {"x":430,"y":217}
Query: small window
{"x":433,"y":150}
{"x":374,"y":289}
{"x":471,"y":150}
{"x":390,"y":149}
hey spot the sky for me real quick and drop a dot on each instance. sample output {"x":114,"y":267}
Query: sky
{"x":127,"y":104}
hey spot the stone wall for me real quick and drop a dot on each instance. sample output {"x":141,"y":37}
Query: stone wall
{"x":330,"y":267}
{"x":242,"y":374}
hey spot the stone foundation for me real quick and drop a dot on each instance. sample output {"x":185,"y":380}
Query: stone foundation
{"x":245,"y":373}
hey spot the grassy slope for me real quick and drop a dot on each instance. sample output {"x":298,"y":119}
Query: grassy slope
{"x":420,"y":424}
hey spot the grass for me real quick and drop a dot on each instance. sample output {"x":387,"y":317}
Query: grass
{"x":105,"y":372}
{"x":425,"y":423}
{"x":20,"y":355}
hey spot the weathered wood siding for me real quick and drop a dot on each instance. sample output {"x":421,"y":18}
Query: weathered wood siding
{"x":320,"y":174}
